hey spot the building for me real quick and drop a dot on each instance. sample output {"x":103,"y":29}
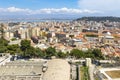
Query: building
{"x":108,"y":39}
{"x":35,"y":31}
{"x":24,"y":33}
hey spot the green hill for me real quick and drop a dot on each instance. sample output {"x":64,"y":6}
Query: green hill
{"x":98,"y":19}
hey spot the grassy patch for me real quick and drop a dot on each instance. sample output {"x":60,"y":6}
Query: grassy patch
{"x":84,"y":74}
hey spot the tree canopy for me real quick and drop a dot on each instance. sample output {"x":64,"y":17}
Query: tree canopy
{"x":91,"y":53}
{"x":3,"y":45}
{"x":13,"y":49}
{"x":98,"y":19}
{"x":25,"y":46}
{"x":50,"y":51}
{"x":76,"y":53}
{"x":26,"y":50}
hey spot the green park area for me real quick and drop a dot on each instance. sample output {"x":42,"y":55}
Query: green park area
{"x":84,"y":74}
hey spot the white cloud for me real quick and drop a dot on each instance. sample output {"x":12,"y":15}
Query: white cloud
{"x":48,"y":11}
{"x":14,"y":9}
{"x":102,"y":5}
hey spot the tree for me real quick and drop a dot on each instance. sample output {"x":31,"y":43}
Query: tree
{"x":76,"y":53}
{"x":88,"y":54}
{"x":50,"y":52}
{"x":97,"y":53}
{"x":13,"y":49}
{"x":25,"y":45}
{"x":3,"y":42}
{"x":39,"y":53}
{"x":3,"y":49}
{"x":30,"y":52}
{"x":61,"y":54}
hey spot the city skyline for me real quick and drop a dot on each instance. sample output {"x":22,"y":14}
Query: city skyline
{"x":58,"y":7}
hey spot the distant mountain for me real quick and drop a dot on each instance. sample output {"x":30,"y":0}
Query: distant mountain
{"x":37,"y":17}
{"x":98,"y":19}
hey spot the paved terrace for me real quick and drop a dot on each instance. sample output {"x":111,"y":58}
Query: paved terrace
{"x":21,"y":71}
{"x":57,"y":70}
{"x":108,"y":73}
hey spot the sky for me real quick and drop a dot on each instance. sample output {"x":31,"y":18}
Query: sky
{"x":60,"y":7}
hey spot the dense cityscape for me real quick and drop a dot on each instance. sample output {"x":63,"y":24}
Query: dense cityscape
{"x":85,"y":45}
{"x":59,"y":40}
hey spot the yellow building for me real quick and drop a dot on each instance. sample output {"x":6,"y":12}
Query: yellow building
{"x":35,"y":31}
